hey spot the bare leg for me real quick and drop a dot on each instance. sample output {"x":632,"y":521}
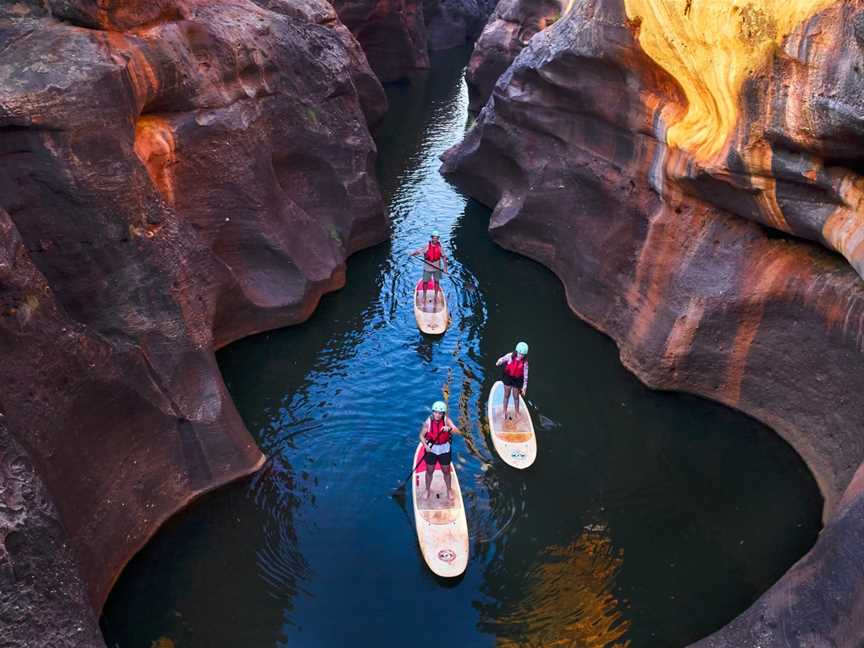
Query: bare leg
{"x":429,"y":471}
{"x":448,"y":478}
{"x":516,"y":400}
{"x":506,"y":399}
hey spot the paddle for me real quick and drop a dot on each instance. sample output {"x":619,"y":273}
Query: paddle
{"x":430,"y":264}
{"x":401,"y":486}
{"x":470,"y":280}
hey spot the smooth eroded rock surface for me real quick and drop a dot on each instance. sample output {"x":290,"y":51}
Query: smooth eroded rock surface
{"x":682,"y":253}
{"x":391,"y":32}
{"x":511,"y":26}
{"x":173,"y":175}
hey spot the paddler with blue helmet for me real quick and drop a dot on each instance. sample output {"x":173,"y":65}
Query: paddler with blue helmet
{"x":514,"y":375}
{"x":434,"y":262}
{"x":435,"y":435}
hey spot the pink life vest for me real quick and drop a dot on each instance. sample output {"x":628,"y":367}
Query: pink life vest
{"x":433,"y":252}
{"x":436,"y":433}
{"x":516,"y":367}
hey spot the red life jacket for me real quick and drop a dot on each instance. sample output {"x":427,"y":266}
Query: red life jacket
{"x":436,"y":433}
{"x":433,"y":252}
{"x":516,"y":367}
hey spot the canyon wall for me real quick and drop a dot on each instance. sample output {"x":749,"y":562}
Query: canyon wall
{"x":510,"y":27}
{"x":694,"y":183}
{"x":454,"y":23}
{"x":174,"y":175}
{"x":397,"y":35}
{"x":392,"y":33}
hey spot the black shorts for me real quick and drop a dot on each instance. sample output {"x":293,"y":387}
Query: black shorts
{"x":443,"y":459}
{"x":510,"y":381}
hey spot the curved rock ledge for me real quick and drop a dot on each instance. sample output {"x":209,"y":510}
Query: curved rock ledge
{"x":675,"y":259}
{"x":173,"y":175}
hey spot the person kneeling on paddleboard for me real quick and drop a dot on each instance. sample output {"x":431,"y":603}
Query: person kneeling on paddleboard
{"x":435,"y":435}
{"x":515,"y":375}
{"x":434,"y":262}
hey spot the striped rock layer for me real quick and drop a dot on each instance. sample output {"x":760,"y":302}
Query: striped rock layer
{"x":679,"y":247}
{"x":174,"y":174}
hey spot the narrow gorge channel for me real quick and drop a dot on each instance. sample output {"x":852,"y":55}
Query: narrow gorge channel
{"x":649,"y":518}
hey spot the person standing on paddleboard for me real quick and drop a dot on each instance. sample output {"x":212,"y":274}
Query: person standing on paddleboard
{"x":515,"y":375}
{"x":434,"y":262}
{"x":435,"y":435}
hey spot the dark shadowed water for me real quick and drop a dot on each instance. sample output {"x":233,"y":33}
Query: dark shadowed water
{"x":648,"y":518}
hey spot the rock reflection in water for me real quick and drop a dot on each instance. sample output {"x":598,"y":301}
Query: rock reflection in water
{"x":569,"y":598}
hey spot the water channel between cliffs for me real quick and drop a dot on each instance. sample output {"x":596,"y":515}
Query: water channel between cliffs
{"x":650,"y":518}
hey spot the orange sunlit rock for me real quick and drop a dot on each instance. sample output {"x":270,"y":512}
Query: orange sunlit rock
{"x":710,"y":47}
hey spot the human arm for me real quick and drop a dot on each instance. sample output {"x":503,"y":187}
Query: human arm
{"x":503,"y":359}
{"x":423,"y":429}
{"x":451,"y":427}
{"x":419,"y":250}
{"x":525,"y":379}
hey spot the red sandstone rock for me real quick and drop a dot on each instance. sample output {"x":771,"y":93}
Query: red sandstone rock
{"x":391,"y":32}
{"x":651,"y":246}
{"x":511,"y":26}
{"x":453,"y":23}
{"x":43,"y":601}
{"x":174,"y":175}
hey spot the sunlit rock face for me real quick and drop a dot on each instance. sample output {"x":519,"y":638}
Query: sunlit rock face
{"x":511,"y":26}
{"x":670,"y":237}
{"x":173,"y":175}
{"x":391,"y":32}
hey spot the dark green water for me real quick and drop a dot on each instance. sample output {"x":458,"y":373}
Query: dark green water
{"x":650,"y":518}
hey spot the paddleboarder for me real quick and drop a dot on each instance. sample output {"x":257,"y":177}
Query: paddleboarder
{"x":434,"y":262}
{"x":435,"y":435}
{"x":514,"y":375}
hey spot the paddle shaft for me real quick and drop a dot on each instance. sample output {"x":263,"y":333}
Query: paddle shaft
{"x":432,"y":265}
{"x":405,"y":481}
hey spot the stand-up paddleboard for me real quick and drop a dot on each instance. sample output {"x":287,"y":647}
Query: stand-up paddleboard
{"x":514,"y":440}
{"x":432,"y":316}
{"x":441,"y":525}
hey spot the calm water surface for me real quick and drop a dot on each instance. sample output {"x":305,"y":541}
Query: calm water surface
{"x":648,"y":518}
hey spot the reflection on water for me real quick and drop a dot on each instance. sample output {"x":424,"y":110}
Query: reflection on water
{"x":569,"y":598}
{"x":629,"y":529}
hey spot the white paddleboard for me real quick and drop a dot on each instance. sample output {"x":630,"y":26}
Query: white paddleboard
{"x":441,"y":525}
{"x":514,"y":439}
{"x":432,"y":315}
